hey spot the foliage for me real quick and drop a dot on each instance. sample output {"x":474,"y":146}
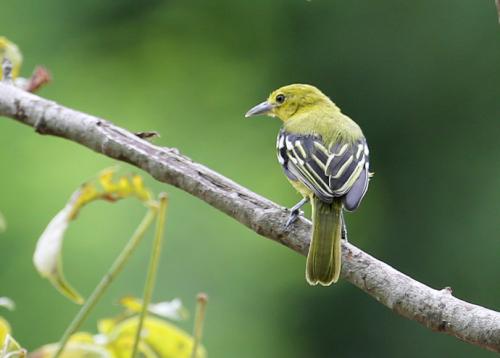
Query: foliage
{"x":47,"y":257}
{"x":115,"y":338}
{"x":420,"y":77}
{"x":134,"y":331}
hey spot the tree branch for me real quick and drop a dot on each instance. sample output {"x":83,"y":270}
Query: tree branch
{"x":435,"y":309}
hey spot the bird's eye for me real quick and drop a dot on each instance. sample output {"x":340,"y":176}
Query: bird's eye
{"x":280,"y":98}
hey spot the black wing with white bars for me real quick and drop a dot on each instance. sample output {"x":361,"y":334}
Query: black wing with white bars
{"x":341,"y":170}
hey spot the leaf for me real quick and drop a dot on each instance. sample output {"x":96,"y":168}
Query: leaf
{"x":48,"y":253}
{"x":3,"y":223}
{"x":81,"y":344}
{"x":73,"y":350}
{"x":166,"y":309}
{"x":11,"y":348}
{"x":4,"y":331}
{"x":160,"y":339}
{"x":47,"y":257}
{"x":7,"y":303}
{"x":158,"y":336}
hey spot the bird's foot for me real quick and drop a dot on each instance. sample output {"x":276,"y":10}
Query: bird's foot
{"x":295,"y":212}
{"x":344,"y":234}
{"x":344,"y":229}
{"x":294,"y":215}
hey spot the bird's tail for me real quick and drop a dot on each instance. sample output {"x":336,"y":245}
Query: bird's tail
{"x":323,"y":259}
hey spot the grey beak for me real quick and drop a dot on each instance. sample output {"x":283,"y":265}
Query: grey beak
{"x":261,"y":108}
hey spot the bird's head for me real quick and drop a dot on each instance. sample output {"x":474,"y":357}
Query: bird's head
{"x":292,"y":99}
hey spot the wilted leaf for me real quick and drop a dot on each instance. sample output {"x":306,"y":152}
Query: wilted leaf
{"x":73,"y":350}
{"x":166,"y":309}
{"x":3,"y":223}
{"x":4,"y":331}
{"x":123,"y":187}
{"x":10,"y":51}
{"x":80,"y":345}
{"x":40,"y":77}
{"x":7,"y":303}
{"x":47,"y":257}
{"x":160,"y":336}
{"x":10,"y":348}
{"x":160,"y":339}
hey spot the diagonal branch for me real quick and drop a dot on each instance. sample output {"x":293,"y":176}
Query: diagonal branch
{"x":435,"y":309}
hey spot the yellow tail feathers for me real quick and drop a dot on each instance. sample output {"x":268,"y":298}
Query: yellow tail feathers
{"x":324,"y":257}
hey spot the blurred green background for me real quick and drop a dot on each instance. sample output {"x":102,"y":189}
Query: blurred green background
{"x":422,"y":79}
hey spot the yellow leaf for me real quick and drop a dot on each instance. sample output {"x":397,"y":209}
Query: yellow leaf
{"x":80,"y":345}
{"x":165,"y":339}
{"x":106,"y":180}
{"x":65,"y":288}
{"x":138,"y":184}
{"x":106,"y":325}
{"x":47,"y":257}
{"x":48,"y":253}
{"x":73,"y":350}
{"x":166,"y":309}
{"x":122,"y":348}
{"x":132,"y":304}
{"x":10,"y":51}
{"x":11,"y":348}
{"x":82,"y":337}
{"x":84,"y":195}
{"x":4,"y":330}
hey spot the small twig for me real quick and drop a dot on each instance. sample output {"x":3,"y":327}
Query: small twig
{"x":40,"y":77}
{"x":201,"y":309}
{"x":153,"y":268}
{"x":108,"y":278}
{"x":447,"y":290}
{"x":6,"y":70}
{"x":147,"y":135}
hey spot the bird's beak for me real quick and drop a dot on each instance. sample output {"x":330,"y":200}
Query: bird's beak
{"x":262,"y":108}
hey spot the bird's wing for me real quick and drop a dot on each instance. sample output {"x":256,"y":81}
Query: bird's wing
{"x":340,"y":170}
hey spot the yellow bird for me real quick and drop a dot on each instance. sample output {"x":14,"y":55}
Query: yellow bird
{"x":325,"y":157}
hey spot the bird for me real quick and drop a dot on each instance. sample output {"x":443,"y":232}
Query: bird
{"x":325,"y":156}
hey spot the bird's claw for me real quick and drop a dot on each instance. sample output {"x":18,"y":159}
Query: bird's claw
{"x":344,"y":229}
{"x":294,"y":215}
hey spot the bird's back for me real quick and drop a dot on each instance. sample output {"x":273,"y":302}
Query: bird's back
{"x":328,"y":123}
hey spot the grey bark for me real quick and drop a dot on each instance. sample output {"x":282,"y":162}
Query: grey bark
{"x":438,"y":310}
